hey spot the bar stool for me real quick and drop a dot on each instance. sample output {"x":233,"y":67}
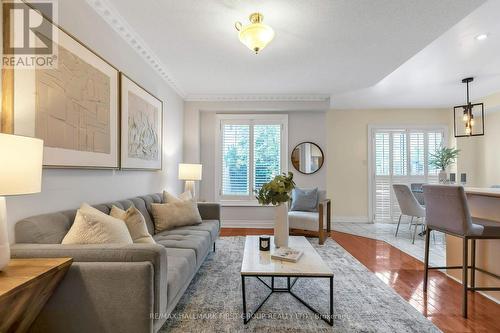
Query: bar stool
{"x":447,"y":211}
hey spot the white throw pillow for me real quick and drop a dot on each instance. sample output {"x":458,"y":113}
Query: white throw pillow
{"x":175,"y":214}
{"x":135,"y":222}
{"x":91,"y":226}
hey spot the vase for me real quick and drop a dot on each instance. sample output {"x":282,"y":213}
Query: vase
{"x":443,"y":177}
{"x":281,"y":225}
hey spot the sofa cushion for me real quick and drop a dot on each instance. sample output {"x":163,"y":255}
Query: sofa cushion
{"x":210,"y":226}
{"x":135,"y":223}
{"x":171,"y":215}
{"x":140,"y":204}
{"x":180,"y":270}
{"x":200,"y":244}
{"x":92,"y":226}
{"x":304,"y":200}
{"x":304,"y":220}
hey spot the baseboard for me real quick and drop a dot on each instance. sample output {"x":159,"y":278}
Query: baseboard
{"x":264,"y":224}
{"x":350,"y":219}
{"x":478,"y":291}
{"x":269,"y":224}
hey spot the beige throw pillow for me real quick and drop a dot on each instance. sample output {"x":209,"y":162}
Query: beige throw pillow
{"x":167,"y":197}
{"x":135,"y":222}
{"x":175,"y":214}
{"x":91,"y":226}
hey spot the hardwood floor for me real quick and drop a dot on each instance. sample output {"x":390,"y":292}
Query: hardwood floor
{"x":404,"y":274}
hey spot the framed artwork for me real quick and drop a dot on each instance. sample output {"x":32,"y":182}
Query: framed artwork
{"x":73,"y":107}
{"x":141,"y":127}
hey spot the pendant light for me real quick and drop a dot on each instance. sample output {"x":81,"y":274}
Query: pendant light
{"x":468,"y":119}
{"x":257,"y":35}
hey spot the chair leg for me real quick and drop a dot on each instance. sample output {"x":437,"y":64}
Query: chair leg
{"x":411,"y":223}
{"x":426,"y":258}
{"x":473,"y":264}
{"x":321,"y":230}
{"x":464,"y":276}
{"x":399,"y":222}
{"x":415,"y":233}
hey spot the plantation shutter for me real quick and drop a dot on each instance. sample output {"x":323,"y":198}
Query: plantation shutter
{"x":267,"y":153}
{"x":235,"y":159}
{"x":400,"y":156}
{"x":382,"y":179}
{"x":417,"y":154}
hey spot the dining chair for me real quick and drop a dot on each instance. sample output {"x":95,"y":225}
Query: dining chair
{"x":418,"y":192}
{"x":447,"y":211}
{"x":409,"y":206}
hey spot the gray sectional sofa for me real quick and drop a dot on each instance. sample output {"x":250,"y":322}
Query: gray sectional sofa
{"x":117,"y":288}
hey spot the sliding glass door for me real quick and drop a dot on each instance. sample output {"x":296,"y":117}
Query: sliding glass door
{"x":399,"y":155}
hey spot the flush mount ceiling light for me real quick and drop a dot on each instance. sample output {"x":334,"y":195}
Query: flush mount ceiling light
{"x":469,"y":118}
{"x":482,"y":36}
{"x":257,"y":35}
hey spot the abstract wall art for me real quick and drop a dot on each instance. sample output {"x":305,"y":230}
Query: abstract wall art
{"x":72,"y":106}
{"x":141,"y":127}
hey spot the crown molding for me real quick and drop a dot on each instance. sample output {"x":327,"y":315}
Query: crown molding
{"x":114,"y":19}
{"x":258,"y":98}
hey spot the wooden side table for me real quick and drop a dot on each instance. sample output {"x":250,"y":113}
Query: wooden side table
{"x":25,"y":286}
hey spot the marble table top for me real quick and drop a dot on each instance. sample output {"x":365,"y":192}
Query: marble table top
{"x":256,"y":262}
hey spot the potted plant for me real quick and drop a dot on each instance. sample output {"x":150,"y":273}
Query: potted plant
{"x":277,"y":192}
{"x":442,"y":159}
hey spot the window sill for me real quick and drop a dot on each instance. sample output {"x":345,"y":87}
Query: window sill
{"x":239,"y":203}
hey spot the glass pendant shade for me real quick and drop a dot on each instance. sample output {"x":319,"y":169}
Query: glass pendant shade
{"x":257,"y":35}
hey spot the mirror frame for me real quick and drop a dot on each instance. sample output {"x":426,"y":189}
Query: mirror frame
{"x":322,"y":155}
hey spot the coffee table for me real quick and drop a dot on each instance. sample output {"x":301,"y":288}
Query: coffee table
{"x":259,"y":264}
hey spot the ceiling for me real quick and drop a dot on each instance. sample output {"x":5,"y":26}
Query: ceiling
{"x":384,"y":53}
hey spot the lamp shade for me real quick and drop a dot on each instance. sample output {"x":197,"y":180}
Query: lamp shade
{"x":190,"y":171}
{"x":21,"y":161}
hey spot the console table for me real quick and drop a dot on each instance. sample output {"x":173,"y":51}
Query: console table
{"x":25,"y":286}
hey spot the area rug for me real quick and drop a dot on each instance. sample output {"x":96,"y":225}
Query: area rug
{"x":362,"y":302}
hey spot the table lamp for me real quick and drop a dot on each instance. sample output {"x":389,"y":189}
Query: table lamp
{"x":190,"y":173}
{"x":21,"y":161}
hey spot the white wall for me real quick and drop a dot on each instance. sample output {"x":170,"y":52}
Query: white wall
{"x":66,"y":189}
{"x":302,"y":126}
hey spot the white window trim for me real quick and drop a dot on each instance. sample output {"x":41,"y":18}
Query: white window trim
{"x":261,"y":118}
{"x":371,"y":170}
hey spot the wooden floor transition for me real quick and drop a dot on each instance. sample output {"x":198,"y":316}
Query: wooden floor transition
{"x":404,"y":274}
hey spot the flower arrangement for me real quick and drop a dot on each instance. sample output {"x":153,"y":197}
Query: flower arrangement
{"x":276,"y":191}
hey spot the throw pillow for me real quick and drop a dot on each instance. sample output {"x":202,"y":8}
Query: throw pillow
{"x":135,"y":222}
{"x":167,"y":197}
{"x":304,"y":200}
{"x":175,"y":214}
{"x":91,"y":226}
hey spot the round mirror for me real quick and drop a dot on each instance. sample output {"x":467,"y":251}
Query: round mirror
{"x":307,"y":158}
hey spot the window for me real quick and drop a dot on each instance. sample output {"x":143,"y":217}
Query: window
{"x":251,"y":150}
{"x":400,"y":156}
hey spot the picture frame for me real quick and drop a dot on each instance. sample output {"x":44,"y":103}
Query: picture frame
{"x":141,"y":127}
{"x":73,"y":107}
